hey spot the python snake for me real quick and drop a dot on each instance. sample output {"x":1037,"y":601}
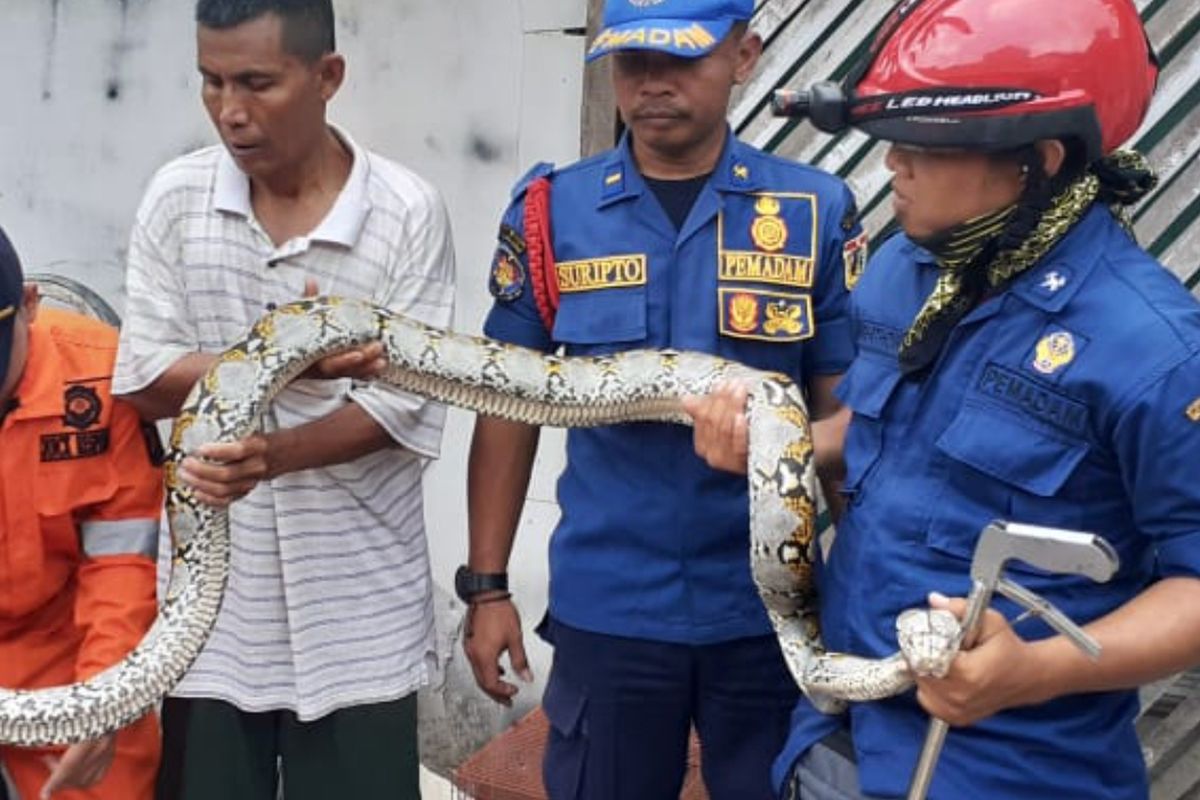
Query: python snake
{"x":493,"y":379}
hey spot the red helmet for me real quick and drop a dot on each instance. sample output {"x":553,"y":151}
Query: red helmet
{"x":999,"y":74}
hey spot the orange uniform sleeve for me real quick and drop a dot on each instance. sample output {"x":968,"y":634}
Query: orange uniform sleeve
{"x":115,"y":603}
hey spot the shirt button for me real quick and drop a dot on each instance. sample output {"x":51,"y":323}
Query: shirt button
{"x":271,"y":306}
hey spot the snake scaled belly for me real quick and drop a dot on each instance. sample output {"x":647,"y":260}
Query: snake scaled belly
{"x":489,"y":378}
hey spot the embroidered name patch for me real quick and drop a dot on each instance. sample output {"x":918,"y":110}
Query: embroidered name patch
{"x":762,"y":268}
{"x":70,"y":446}
{"x":610,"y":272}
{"x":767,"y":316}
{"x":879,"y":338}
{"x":768,"y":238}
{"x":1031,"y":397}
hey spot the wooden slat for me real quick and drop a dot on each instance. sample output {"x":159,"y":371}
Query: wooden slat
{"x":1172,"y":202}
{"x":1170,"y":156}
{"x":811,"y":51}
{"x":1181,"y":254}
{"x":772,"y":16}
{"x":1180,"y":781}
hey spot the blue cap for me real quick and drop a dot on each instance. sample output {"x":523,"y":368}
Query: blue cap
{"x":687,"y":28}
{"x":11,"y":282}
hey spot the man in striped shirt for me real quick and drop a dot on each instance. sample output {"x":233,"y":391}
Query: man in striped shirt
{"x":327,"y":624}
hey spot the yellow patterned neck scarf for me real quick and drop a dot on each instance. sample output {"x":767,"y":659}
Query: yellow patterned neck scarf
{"x":969,"y":266}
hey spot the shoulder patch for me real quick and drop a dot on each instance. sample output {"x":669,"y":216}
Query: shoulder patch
{"x":539,"y":170}
{"x":512,"y":238}
{"x":854,"y":259}
{"x":506,"y":282}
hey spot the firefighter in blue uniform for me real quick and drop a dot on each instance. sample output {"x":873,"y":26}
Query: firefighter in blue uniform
{"x":1019,"y":357}
{"x":681,"y":237}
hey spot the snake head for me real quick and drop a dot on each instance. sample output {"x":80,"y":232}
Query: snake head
{"x":929,"y":640}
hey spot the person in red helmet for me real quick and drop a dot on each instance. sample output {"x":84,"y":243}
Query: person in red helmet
{"x":1019,"y":357}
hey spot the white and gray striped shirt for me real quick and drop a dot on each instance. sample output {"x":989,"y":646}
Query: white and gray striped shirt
{"x":329,"y":600}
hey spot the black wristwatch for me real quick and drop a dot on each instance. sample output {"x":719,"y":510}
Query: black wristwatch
{"x":468,"y":584}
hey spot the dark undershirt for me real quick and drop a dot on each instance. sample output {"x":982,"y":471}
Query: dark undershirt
{"x":12,"y":405}
{"x":677,"y":196}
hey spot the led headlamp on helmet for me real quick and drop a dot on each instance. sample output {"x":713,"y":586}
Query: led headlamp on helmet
{"x":994,"y":76}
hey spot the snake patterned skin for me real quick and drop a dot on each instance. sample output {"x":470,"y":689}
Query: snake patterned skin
{"x":489,"y":378}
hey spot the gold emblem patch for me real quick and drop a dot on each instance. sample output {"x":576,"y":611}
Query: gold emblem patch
{"x":783,"y":318}
{"x":767,"y":238}
{"x":765,"y":316}
{"x":768,"y":231}
{"x":1054,"y":352}
{"x":743,"y":312}
{"x":1193,"y":411}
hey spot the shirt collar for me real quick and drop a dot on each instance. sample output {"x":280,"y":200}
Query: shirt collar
{"x":40,"y":390}
{"x":911,"y":251}
{"x":1061,"y":273}
{"x":738,"y":168}
{"x":621,"y":180}
{"x":344,"y":221}
{"x":1053,"y":281}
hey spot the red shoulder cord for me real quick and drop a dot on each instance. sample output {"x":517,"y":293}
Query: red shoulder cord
{"x":540,"y":246}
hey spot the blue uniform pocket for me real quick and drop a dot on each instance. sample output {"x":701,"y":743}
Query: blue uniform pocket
{"x":866,"y":388}
{"x":566,"y":743}
{"x":1002,"y":467}
{"x":599,"y":321}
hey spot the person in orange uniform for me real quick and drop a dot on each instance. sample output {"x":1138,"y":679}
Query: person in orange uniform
{"x":80,"y":502}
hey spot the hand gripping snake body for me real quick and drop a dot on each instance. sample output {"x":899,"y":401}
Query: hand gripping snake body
{"x":493,"y":379}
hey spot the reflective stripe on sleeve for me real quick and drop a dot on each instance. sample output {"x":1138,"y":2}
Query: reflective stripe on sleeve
{"x":120,"y":537}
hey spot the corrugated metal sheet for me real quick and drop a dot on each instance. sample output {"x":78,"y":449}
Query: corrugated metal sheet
{"x":811,"y":40}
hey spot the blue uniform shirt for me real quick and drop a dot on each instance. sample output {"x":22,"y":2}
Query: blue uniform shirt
{"x":1072,"y":400}
{"x":652,"y":543}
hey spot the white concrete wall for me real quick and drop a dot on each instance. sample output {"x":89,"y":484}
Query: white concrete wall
{"x":99,"y":93}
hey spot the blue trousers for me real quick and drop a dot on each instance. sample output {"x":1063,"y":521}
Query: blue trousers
{"x":621,"y":711}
